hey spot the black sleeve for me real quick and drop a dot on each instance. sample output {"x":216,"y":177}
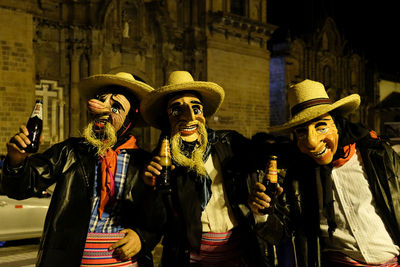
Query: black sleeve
{"x":36,"y":174}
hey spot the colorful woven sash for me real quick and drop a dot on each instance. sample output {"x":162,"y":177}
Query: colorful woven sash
{"x":218,"y":248}
{"x":336,"y":259}
{"x":96,"y":251}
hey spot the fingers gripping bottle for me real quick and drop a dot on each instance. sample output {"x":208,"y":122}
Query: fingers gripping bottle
{"x":163,"y":182}
{"x":35,"y":127}
{"x":270,"y":181}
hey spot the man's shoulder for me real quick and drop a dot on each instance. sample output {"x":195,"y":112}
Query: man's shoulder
{"x":232,"y":143}
{"x":67,"y":142}
{"x":229,"y":134}
{"x":139,"y":155}
{"x":71,"y":143}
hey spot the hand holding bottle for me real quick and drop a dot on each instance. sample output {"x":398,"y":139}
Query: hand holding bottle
{"x":157,"y":172}
{"x":28,"y":139}
{"x":16,"y":152}
{"x":260,"y":202}
{"x":263,"y":196}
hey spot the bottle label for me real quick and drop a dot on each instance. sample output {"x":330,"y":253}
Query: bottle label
{"x":272,"y":174}
{"x":37,"y":111}
{"x":165,"y":153}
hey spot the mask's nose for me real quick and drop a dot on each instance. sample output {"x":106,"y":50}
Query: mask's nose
{"x":312,"y":139}
{"x":188,"y":113}
{"x":98,"y":107}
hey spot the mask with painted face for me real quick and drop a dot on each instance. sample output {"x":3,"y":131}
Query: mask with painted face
{"x":109,"y":112}
{"x":318,"y":139}
{"x":187,"y":123}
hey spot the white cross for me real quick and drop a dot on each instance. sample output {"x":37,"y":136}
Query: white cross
{"x":49,"y":90}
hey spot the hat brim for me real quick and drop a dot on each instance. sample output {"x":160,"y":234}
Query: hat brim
{"x":343,"y":106}
{"x":89,"y":86}
{"x":152,"y":107}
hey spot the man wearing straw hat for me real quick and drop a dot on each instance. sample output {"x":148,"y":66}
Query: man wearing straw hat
{"x":343,"y":186}
{"x":94,"y":216}
{"x":210,"y":223}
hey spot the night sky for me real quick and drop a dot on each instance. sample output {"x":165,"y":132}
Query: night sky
{"x":372,"y":28}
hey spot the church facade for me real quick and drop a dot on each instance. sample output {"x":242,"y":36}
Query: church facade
{"x":325,"y":56}
{"x":48,"y":46}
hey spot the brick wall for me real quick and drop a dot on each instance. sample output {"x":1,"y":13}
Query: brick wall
{"x":244,"y":75}
{"x":16,"y":73}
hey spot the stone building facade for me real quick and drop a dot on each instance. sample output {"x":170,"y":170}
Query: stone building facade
{"x":48,"y":46}
{"x":323,"y":56}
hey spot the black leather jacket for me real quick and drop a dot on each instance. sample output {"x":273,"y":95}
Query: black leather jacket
{"x":183,"y":232}
{"x":71,"y":165}
{"x":382,"y":166}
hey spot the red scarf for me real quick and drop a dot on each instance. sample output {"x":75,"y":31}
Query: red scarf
{"x":108,"y":170}
{"x":349,"y":151}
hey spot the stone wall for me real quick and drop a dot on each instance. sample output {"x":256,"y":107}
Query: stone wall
{"x":16,"y":73}
{"x":47,"y":47}
{"x":244,"y":78}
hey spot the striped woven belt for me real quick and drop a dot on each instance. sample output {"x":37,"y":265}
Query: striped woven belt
{"x":96,"y":251}
{"x":339,"y":259}
{"x":218,"y":248}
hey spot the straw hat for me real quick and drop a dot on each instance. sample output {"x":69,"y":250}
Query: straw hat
{"x":308,"y":100}
{"x":90,"y":85}
{"x":153,"y":107}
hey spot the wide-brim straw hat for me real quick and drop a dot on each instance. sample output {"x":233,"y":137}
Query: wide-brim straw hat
{"x":92,"y":84}
{"x":89,"y":86}
{"x":153,"y":107}
{"x":308,"y":100}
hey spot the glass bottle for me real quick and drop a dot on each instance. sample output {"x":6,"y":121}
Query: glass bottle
{"x":270,"y":182}
{"x":35,"y":127}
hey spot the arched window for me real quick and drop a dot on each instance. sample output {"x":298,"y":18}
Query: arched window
{"x":325,"y":42}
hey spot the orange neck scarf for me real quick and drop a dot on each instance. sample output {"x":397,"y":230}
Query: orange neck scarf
{"x":349,"y":152}
{"x":108,"y":170}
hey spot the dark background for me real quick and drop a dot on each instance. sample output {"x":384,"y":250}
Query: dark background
{"x":371,"y":28}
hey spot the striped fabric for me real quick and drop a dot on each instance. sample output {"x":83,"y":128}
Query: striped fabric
{"x":96,"y":251}
{"x":218,"y":248}
{"x":336,"y":259}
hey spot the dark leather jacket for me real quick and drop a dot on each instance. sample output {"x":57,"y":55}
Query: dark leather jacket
{"x":183,"y":232}
{"x":382,"y":166}
{"x":71,"y":165}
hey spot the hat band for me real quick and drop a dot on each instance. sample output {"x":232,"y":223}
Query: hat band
{"x":309,"y":103}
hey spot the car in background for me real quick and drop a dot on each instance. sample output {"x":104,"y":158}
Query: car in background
{"x":23,"y":219}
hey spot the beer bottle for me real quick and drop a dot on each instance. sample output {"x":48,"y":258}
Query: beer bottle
{"x":270,"y":182}
{"x":163,"y":182}
{"x":35,"y":126}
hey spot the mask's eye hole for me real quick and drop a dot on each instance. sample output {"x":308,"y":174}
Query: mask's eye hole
{"x":301,"y":133}
{"x":322,"y":130}
{"x":115,"y":109}
{"x":197,"y":110}
{"x":176,"y":111}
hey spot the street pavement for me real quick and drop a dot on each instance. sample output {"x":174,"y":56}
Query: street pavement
{"x":18,"y":255}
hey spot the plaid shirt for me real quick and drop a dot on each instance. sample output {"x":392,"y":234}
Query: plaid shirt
{"x":111,"y":219}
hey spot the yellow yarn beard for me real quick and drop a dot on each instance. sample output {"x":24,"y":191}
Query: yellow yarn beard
{"x":195,"y":162}
{"x":102,"y":143}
